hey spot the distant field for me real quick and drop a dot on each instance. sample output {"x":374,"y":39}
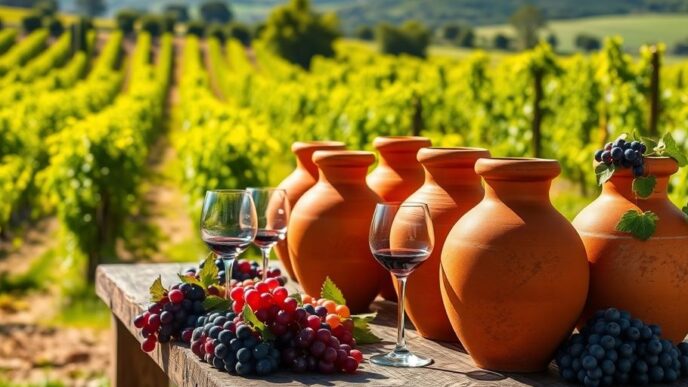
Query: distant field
{"x":635,"y":29}
{"x":13,"y":16}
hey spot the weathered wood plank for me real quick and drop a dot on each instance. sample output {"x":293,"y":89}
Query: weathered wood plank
{"x":131,"y":366}
{"x":124,"y":288}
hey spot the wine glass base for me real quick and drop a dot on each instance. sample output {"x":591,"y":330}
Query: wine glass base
{"x":400,"y":359}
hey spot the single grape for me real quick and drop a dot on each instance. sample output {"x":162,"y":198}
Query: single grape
{"x":589,"y":362}
{"x":617,"y":153}
{"x":607,"y":342}
{"x":244,"y":369}
{"x":317,"y":348}
{"x":244,"y":332}
{"x":597,"y":351}
{"x":261,"y":351}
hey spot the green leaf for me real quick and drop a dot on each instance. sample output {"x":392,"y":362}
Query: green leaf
{"x":190,"y":279}
{"x":215,"y":303}
{"x":644,"y":186}
{"x":649,"y":143}
{"x":639,"y":224}
{"x":251,"y":318}
{"x":330,"y":291}
{"x":362,"y":332}
{"x":208,"y":274}
{"x":672,"y":150}
{"x":157,"y":291}
{"x":297,"y":297}
{"x":604,"y":172}
{"x":685,"y":210}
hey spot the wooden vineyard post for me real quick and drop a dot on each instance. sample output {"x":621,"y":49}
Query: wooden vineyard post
{"x":538,"y":74}
{"x":417,"y":115}
{"x":654,"y":93}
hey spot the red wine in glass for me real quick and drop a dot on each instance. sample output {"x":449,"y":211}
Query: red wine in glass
{"x":401,"y":262}
{"x":226,"y":246}
{"x":267,"y":238}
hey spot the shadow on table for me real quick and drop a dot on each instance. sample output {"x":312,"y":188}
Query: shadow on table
{"x":360,"y":377}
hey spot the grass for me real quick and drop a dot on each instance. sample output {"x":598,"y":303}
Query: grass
{"x":84,"y":310}
{"x":635,"y":29}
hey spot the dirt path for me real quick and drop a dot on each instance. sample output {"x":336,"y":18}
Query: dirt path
{"x":38,"y":239}
{"x":212,"y":77}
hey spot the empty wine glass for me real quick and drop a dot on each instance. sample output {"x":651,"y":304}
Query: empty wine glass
{"x":401,"y":238}
{"x":272,"y":207}
{"x":228,"y":225}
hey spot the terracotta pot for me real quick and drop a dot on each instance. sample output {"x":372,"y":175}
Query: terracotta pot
{"x":328,"y":230}
{"x":298,"y":182}
{"x":513,"y":273}
{"x":451,"y":189}
{"x":647,"y":278}
{"x":398,"y":174}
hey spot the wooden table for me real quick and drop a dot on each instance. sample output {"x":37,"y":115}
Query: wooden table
{"x":124,"y":288}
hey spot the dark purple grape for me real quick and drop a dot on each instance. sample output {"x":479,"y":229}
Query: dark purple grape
{"x":317,"y":348}
{"x":619,"y":143}
{"x":630,"y":154}
{"x":607,"y":157}
{"x":617,"y":153}
{"x":300,"y":364}
{"x":326,"y":367}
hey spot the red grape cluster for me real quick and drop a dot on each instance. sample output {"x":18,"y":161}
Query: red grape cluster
{"x":309,"y":338}
{"x":172,"y":317}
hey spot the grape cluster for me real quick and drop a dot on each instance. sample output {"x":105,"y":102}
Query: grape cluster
{"x":225,"y":342}
{"x":614,"y":348}
{"x":624,"y":154}
{"x":309,"y":338}
{"x":172,"y":317}
{"x":243,"y":270}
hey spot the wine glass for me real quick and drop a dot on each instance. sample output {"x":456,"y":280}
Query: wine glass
{"x":228,"y":225}
{"x":272,"y":207}
{"x":401,"y":238}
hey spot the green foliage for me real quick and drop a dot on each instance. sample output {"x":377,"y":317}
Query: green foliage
{"x":501,"y":42}
{"x":365,"y":32}
{"x":527,"y":21}
{"x":126,"y":19}
{"x":180,"y":12}
{"x":644,"y":186}
{"x":552,"y":40}
{"x":216,"y":12}
{"x":459,"y":34}
{"x":297,"y":33}
{"x":54,"y":26}
{"x":412,"y":38}
{"x":195,"y":28}
{"x":587,"y":43}
{"x":240,"y":32}
{"x":31,"y":22}
{"x":21,"y":53}
{"x":47,"y":7}
{"x":151,"y":24}
{"x":641,"y":225}
{"x":330,"y":291}
{"x":7,"y":38}
{"x":216,"y":31}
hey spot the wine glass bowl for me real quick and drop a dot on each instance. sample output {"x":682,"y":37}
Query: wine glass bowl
{"x":401,"y":238}
{"x":228,"y":225}
{"x":272,"y":207}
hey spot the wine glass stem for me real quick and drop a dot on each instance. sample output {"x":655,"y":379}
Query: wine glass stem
{"x":265,"y":251}
{"x":401,"y":332}
{"x":228,"y":260}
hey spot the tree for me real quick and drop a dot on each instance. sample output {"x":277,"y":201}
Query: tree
{"x":297,"y":33}
{"x":179,"y":10}
{"x":501,"y":42}
{"x":412,"y":39}
{"x":151,"y":24}
{"x":240,"y":32}
{"x":126,"y":19}
{"x":466,"y":38}
{"x":216,"y":11}
{"x":31,"y":22}
{"x":216,"y":31}
{"x":47,"y":7}
{"x":527,"y":21}
{"x":365,"y":33}
{"x":553,"y":41}
{"x":587,"y":42}
{"x":195,"y":27}
{"x":681,"y":48}
{"x":54,"y":26}
{"x":168,"y":21}
{"x":450,"y":32}
{"x":91,"y":7}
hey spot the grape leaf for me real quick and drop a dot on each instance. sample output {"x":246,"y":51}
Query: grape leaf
{"x":685,"y":210}
{"x":251,"y":318}
{"x":644,"y":186}
{"x":330,"y":291}
{"x":362,"y":332}
{"x":157,"y":291}
{"x":297,"y":297}
{"x":639,"y":224}
{"x":604,"y":172}
{"x":208,"y":274}
{"x":669,"y":148}
{"x":215,"y":303}
{"x":190,"y":279}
